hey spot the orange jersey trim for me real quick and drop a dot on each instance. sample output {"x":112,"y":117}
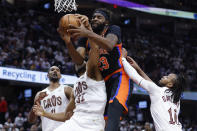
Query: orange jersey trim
{"x":123,"y":90}
{"x":108,"y":76}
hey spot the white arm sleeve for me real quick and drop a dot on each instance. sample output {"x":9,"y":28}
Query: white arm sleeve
{"x":132,"y":73}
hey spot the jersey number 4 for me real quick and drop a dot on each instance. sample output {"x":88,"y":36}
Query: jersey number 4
{"x":103,"y":63}
{"x":173,"y":120}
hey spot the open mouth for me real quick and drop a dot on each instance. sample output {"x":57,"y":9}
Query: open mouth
{"x":54,"y":75}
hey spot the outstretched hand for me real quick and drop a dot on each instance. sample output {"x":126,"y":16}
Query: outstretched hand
{"x":124,"y":52}
{"x":132,"y":62}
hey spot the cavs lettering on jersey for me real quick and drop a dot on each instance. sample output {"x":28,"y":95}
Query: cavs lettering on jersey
{"x":90,"y":95}
{"x":55,"y":102}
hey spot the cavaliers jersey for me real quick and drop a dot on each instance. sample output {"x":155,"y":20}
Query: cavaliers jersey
{"x":55,"y":102}
{"x":163,"y":110}
{"x":90,"y":96}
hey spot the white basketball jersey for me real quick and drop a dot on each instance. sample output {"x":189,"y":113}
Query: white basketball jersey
{"x":164,"y":111}
{"x":90,"y":96}
{"x":55,"y":102}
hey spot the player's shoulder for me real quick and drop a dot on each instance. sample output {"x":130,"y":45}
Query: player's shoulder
{"x":45,"y":89}
{"x":164,"y":88}
{"x":66,"y":87}
{"x":114,"y":27}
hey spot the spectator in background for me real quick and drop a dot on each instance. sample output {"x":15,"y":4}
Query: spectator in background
{"x":147,"y":127}
{"x":8,"y":125}
{"x":3,"y":109}
{"x":19,"y":120}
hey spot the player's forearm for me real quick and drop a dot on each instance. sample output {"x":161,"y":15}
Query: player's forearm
{"x":94,"y":53}
{"x":32,"y":117}
{"x":101,"y":41}
{"x":141,"y":72}
{"x":76,"y":57}
{"x":55,"y":116}
{"x":132,"y":73}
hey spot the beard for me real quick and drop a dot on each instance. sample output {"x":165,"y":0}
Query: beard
{"x":54,"y":79}
{"x":99,"y":28}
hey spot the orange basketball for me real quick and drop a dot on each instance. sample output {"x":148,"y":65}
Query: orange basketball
{"x":68,"y":19}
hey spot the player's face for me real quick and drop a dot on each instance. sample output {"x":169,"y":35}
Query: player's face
{"x":54,"y":74}
{"x":169,"y":79}
{"x":97,"y":21}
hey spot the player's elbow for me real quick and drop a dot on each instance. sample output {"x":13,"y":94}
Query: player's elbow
{"x":67,"y":116}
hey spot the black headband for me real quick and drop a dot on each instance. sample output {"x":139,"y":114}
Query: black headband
{"x":103,"y":13}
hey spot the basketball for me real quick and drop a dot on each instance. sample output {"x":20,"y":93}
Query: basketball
{"x":68,"y":19}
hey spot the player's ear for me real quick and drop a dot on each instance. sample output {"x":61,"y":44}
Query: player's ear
{"x":106,"y":22}
{"x":48,"y":75}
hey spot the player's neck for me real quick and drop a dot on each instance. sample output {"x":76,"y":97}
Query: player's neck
{"x":53,"y":85}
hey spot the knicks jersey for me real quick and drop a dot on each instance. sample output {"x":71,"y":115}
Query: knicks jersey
{"x":90,"y":96}
{"x":55,"y":102}
{"x":164,"y":111}
{"x":109,"y":61}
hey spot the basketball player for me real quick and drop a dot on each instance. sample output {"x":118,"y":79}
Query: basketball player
{"x":88,"y":99}
{"x":108,"y":38}
{"x":165,"y":100}
{"x":53,"y":99}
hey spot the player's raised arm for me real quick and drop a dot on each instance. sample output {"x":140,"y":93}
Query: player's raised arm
{"x":77,"y":58}
{"x":132,"y":73}
{"x":137,"y":68}
{"x":92,"y":64}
